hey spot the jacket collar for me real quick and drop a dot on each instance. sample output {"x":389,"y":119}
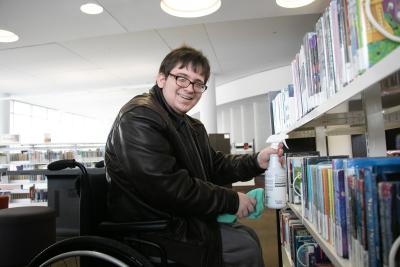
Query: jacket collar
{"x":178,"y":119}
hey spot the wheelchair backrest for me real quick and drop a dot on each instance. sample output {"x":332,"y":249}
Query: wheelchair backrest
{"x":93,"y":202}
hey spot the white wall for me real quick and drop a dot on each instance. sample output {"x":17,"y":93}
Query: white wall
{"x":339,"y":144}
{"x":242,"y":105}
{"x":245,"y":120}
{"x":254,"y":85}
{"x":4,"y":115}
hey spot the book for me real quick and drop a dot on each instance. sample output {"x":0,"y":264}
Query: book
{"x":374,"y":45}
{"x":341,"y":240}
{"x":302,"y":245}
{"x":295,"y":229}
{"x":389,"y":211}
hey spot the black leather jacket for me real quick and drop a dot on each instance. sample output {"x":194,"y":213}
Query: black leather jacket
{"x":162,"y":166}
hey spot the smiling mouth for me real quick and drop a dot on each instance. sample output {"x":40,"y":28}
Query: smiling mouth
{"x":185,"y":96}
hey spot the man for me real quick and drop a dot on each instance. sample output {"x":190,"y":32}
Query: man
{"x":161,"y":166}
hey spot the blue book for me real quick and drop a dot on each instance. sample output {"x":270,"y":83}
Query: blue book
{"x":372,"y":218}
{"x":351,"y":209}
{"x":300,"y":249}
{"x":385,"y":203}
{"x":341,"y":242}
{"x":389,"y":211}
{"x":296,"y":229}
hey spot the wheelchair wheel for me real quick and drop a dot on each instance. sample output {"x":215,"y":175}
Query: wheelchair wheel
{"x":89,"y":251}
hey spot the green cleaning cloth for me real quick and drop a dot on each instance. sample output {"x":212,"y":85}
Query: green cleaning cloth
{"x":258,"y":194}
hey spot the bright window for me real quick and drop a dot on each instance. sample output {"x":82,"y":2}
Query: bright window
{"x":33,"y":123}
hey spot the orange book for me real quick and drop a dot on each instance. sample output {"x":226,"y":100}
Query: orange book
{"x":326,"y":217}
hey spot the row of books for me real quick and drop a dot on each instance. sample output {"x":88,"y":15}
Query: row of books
{"x":354,"y":205}
{"x":297,"y":242}
{"x":31,"y":178}
{"x":51,"y":155}
{"x":343,"y":45}
{"x":294,"y":167}
{"x":38,"y":195}
{"x":34,"y":195}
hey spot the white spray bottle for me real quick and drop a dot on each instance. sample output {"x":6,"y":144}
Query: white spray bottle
{"x":275,"y":176}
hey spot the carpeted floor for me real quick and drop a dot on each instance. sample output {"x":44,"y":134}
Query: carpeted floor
{"x":265,"y":226}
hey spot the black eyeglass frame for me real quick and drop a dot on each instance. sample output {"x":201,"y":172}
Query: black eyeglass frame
{"x":204,"y":87}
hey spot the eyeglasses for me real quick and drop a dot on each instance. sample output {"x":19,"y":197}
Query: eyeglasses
{"x":184,"y":82}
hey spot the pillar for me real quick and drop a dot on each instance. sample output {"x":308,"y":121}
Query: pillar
{"x":4,"y":114}
{"x":208,"y":107}
{"x":376,"y":141}
{"x":320,"y":139}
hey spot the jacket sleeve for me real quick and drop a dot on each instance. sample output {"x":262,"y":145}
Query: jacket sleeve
{"x":143,"y":148}
{"x":228,"y":168}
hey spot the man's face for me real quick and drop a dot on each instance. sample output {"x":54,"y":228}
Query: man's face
{"x":180,"y":99}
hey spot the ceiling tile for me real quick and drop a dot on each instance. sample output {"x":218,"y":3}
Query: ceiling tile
{"x":46,"y":21}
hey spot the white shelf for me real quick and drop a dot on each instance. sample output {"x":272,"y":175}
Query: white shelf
{"x":15,"y":191}
{"x":27,"y":162}
{"x":286,"y":258}
{"x":22,"y":182}
{"x":91,"y":159}
{"x":51,"y":145}
{"x":326,"y":247}
{"x":25,"y":204}
{"x":371,"y":76}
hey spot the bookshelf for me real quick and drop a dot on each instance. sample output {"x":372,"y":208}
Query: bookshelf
{"x":328,"y":248}
{"x":23,"y":168}
{"x":332,"y":68}
{"x":368,"y":85}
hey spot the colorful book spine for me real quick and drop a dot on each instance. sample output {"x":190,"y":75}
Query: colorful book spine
{"x":363,"y":257}
{"x":372,"y":220}
{"x":325,"y":203}
{"x":351,"y":208}
{"x":332,"y":219}
{"x":339,"y":184}
{"x":345,"y":73}
{"x":385,"y":203}
{"x":389,"y":211}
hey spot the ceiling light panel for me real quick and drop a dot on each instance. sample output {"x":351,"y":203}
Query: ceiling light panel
{"x":91,"y":9}
{"x":190,"y":8}
{"x":8,"y":37}
{"x":293,"y":3}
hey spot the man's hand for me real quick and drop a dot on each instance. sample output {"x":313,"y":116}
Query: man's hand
{"x":263,"y":156}
{"x":246,"y":205}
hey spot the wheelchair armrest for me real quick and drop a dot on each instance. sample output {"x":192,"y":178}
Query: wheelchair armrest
{"x":127,"y":227}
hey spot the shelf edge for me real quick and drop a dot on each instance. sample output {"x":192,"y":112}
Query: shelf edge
{"x":326,"y":247}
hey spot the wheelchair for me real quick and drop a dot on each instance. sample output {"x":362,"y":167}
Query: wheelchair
{"x":101,"y":242}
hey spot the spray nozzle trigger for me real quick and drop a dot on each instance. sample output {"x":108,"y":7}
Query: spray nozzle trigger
{"x":275,"y":139}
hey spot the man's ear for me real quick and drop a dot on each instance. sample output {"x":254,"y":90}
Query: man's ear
{"x":161,"y":79}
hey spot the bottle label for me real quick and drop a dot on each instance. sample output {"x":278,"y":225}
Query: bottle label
{"x":277,"y":181}
{"x":269,"y":185}
{"x":275,"y":190}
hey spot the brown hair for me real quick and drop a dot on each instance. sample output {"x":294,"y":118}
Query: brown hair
{"x":185,"y":56}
